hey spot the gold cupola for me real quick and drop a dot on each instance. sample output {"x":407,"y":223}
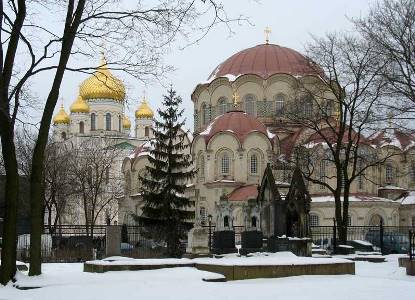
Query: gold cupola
{"x":61,"y":117}
{"x":126,"y":123}
{"x":79,"y":106}
{"x":144,"y":111}
{"x":102,"y":85}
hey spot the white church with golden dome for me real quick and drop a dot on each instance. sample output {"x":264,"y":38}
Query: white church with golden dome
{"x":98,"y":114}
{"x":99,"y":110}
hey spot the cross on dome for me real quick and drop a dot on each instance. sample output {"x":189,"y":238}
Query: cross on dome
{"x":267,"y":32}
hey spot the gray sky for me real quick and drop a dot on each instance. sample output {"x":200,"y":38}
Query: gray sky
{"x":291,"y":22}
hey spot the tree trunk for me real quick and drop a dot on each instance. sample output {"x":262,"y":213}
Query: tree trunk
{"x":345,"y":218}
{"x":8,"y":251}
{"x":71,"y":27}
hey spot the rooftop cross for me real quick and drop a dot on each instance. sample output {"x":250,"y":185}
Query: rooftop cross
{"x":267,"y":32}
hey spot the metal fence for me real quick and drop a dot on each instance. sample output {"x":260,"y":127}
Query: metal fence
{"x":386,"y":239}
{"x":145,"y":242}
{"x":66,"y":243}
{"x":411,"y":237}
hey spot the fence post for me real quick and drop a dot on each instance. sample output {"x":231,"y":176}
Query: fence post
{"x":334,"y":236}
{"x":381,"y":236}
{"x":210,"y":233}
{"x":411,"y":244}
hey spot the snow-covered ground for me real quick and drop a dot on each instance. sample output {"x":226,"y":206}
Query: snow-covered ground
{"x":67,"y":281}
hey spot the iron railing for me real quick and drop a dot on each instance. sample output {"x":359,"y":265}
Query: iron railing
{"x":66,"y":243}
{"x":146,"y":242}
{"x":386,"y":239}
{"x":411,"y":236}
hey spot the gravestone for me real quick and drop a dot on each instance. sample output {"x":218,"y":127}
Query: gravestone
{"x":113,"y":240}
{"x":198,"y":241}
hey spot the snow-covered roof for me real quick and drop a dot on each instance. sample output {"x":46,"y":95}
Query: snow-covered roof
{"x":352,"y":198}
{"x":142,"y":150}
{"x":390,"y":187}
{"x":408,"y":199}
{"x":393,"y":137}
{"x":239,"y":123}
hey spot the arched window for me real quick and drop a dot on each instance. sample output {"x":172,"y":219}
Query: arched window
{"x":314,"y":220}
{"x":279,"y":105}
{"x":63,"y":135}
{"x":375,"y":220}
{"x":226,"y":221}
{"x":389,"y":172}
{"x":308,"y":107}
{"x":119,"y":124}
{"x":360,"y":179}
{"x":322,"y":174}
{"x":203,"y":215}
{"x":81,"y":127}
{"x":222,"y":105}
{"x":201,"y":166}
{"x":93,"y":121}
{"x":225,"y":164}
{"x":205,"y":114}
{"x":412,"y":172}
{"x":146,"y":131}
{"x":253,"y":221}
{"x":328,"y":108}
{"x":249,"y":102}
{"x":108,"y":121}
{"x":253,"y":163}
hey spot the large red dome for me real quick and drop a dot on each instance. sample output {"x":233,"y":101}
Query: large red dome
{"x":266,"y":60}
{"x":238,"y":123}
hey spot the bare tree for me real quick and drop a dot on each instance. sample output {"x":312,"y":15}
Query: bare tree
{"x":390,"y":27}
{"x":137,"y":37}
{"x":58,"y":186}
{"x":335,"y":110}
{"x":92,"y":165}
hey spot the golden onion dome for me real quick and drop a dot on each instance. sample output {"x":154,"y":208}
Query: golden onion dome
{"x":79,"y":106}
{"x":102,"y":85}
{"x":61,"y":117}
{"x":126,"y":123}
{"x":144,"y":110}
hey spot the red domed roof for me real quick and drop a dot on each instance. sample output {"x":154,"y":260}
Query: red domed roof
{"x":266,"y":60}
{"x":238,"y":123}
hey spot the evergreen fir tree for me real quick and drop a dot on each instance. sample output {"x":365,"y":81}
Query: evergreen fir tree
{"x":165,"y":179}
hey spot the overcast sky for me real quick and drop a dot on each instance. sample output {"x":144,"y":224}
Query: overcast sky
{"x":291,"y":21}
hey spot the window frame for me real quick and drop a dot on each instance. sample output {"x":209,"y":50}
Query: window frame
{"x":250,"y":102}
{"x":279,"y":109}
{"x":93,"y":122}
{"x":222,"y":105}
{"x":108,"y":121}
{"x":81,"y":127}
{"x":314,"y":219}
{"x":225,"y":164}
{"x":253,"y":164}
